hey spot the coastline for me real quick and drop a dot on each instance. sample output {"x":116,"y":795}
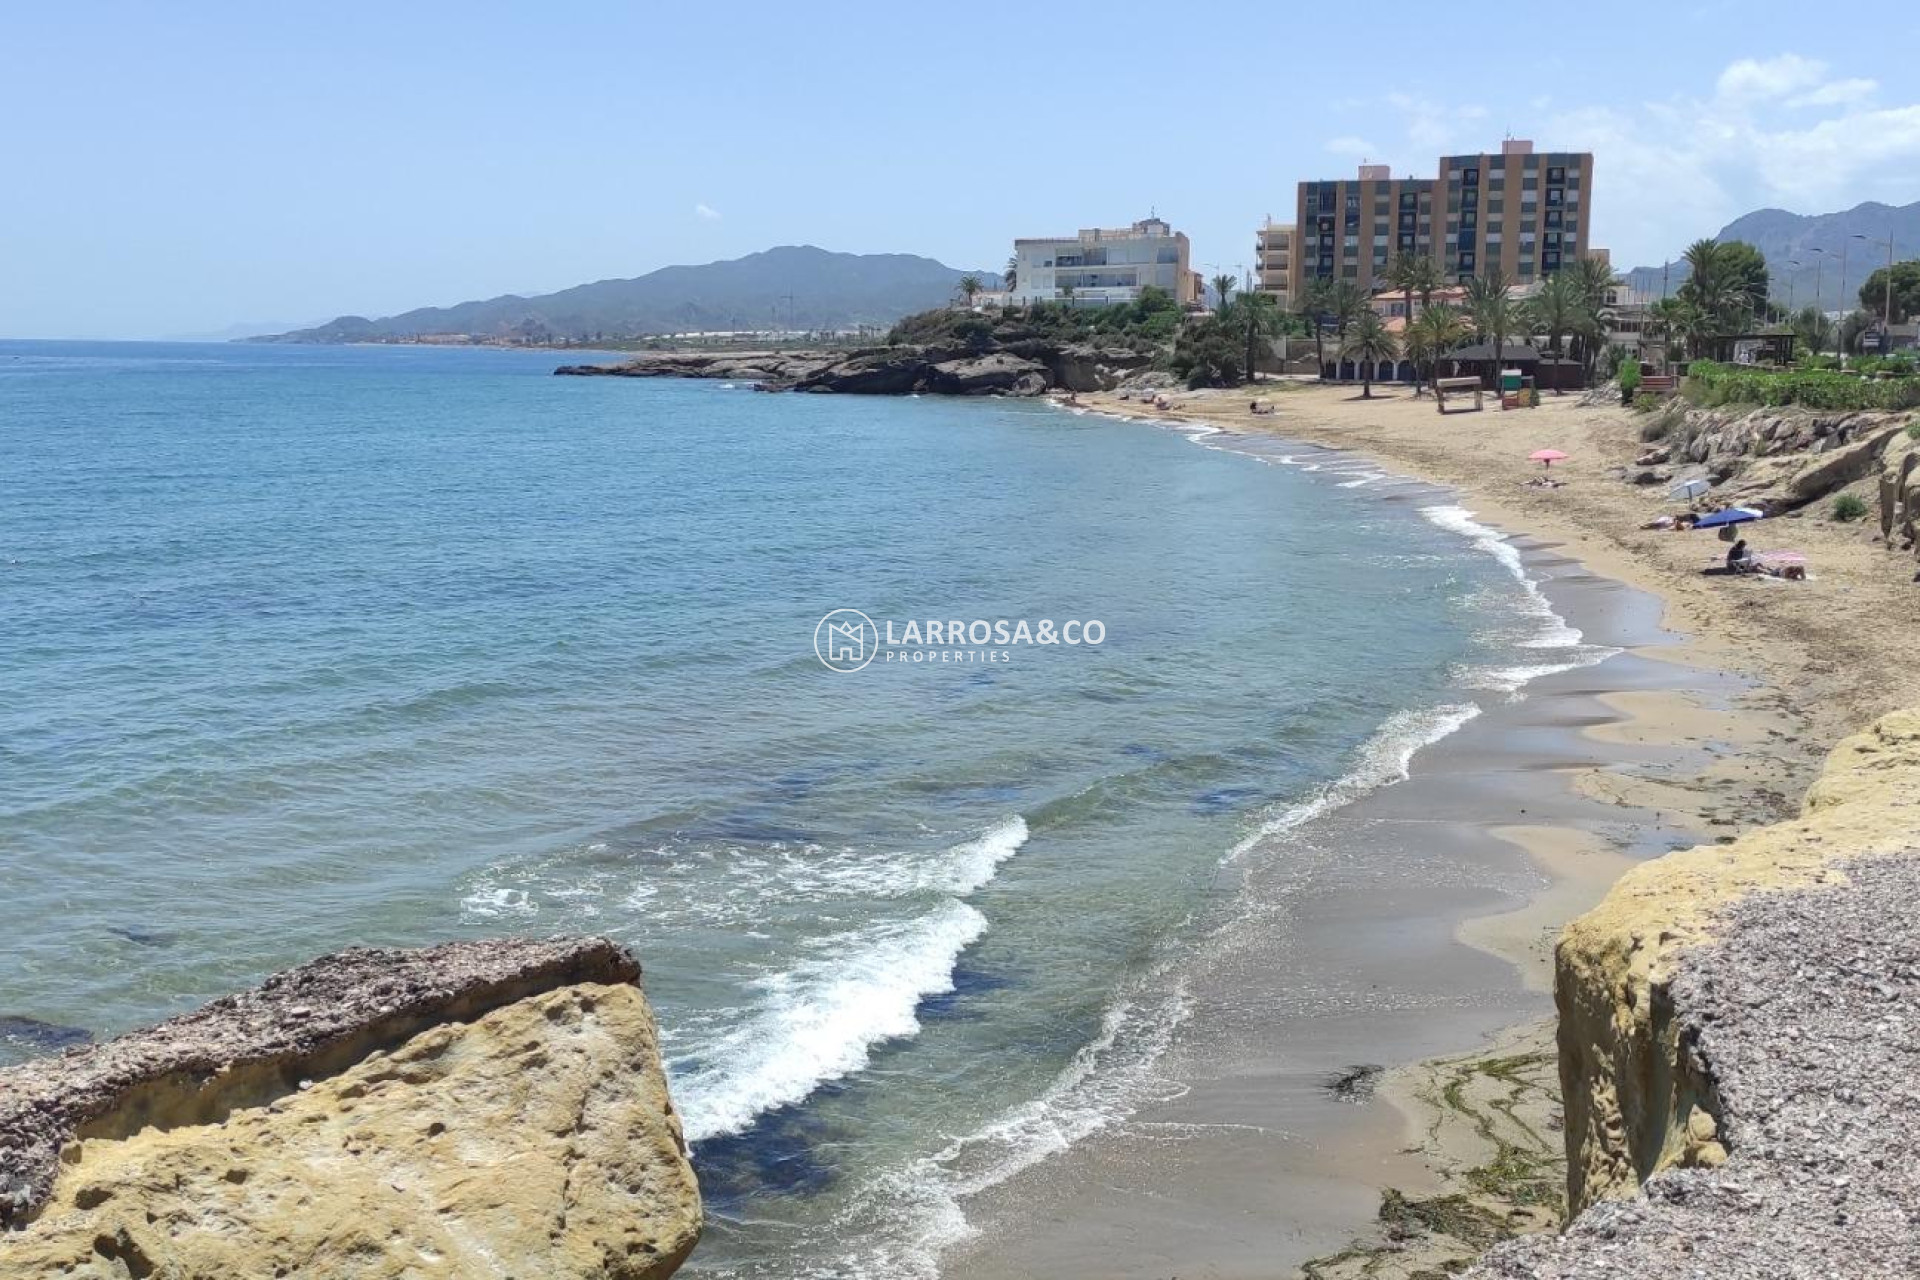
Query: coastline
{"x":1255,"y":1168}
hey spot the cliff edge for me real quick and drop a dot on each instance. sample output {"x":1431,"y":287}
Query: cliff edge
{"x":1738,"y":1049}
{"x":473,"y":1109}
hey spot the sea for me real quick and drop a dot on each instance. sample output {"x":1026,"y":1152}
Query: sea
{"x":304,"y":647}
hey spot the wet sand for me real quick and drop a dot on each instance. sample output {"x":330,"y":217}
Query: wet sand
{"x":1413,"y":923}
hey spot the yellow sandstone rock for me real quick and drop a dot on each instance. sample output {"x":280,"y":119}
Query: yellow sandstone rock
{"x":535,"y":1142}
{"x":1637,"y":1100}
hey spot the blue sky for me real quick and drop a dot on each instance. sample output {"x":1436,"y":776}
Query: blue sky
{"x":176,"y":169}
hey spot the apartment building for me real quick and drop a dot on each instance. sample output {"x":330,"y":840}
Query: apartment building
{"x":1351,"y":228}
{"x":1102,"y":266}
{"x":1526,"y":212}
{"x":1273,"y":256}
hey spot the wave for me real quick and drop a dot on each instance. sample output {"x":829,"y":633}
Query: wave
{"x":1384,"y":759}
{"x":820,"y":1020}
{"x":908,"y":1217}
{"x":1555,"y":632}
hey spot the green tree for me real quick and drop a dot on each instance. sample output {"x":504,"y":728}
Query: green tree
{"x":1495,"y":315}
{"x":1726,"y":286}
{"x":1668,"y":318}
{"x":1415,"y":273}
{"x":1345,"y":304}
{"x":1223,"y":285}
{"x":1851,"y":329}
{"x":1555,"y":310}
{"x":1906,"y":291}
{"x":1254,"y":316}
{"x":1367,"y":344}
{"x":1436,"y":331}
{"x":1012,"y":273}
{"x":1813,"y":329}
{"x":1313,"y":308}
{"x":1206,"y":355}
{"x":970,"y":287}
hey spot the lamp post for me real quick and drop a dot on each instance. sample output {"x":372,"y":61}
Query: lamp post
{"x":1887,"y":319}
{"x":1791,"y":267}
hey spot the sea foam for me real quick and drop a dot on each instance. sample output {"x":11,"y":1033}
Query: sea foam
{"x":820,"y":1020}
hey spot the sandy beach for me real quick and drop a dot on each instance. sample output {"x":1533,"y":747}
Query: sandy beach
{"x":1411,"y":931}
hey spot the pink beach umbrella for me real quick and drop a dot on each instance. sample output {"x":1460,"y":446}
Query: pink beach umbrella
{"x":1546,"y":457}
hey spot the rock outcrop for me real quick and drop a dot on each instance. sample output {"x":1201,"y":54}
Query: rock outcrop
{"x":1729,"y":1017}
{"x":1785,"y":458}
{"x":474,"y":1109}
{"x":1029,"y":367}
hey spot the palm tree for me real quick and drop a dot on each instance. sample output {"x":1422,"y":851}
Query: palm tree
{"x":1257,"y":316}
{"x":1437,"y":330}
{"x":1367,"y":345}
{"x":1012,"y":274}
{"x":1413,"y":273}
{"x":1555,"y":310}
{"x":1667,"y":317}
{"x":1313,"y":304}
{"x":970,"y":287}
{"x":1222,"y":286}
{"x":1346,"y":304}
{"x":1493,"y":313}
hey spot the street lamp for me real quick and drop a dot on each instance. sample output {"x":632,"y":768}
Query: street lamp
{"x":1887,"y":320}
{"x":1791,"y":267}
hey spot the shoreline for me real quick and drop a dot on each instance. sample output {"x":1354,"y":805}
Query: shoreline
{"x":1630,"y":734}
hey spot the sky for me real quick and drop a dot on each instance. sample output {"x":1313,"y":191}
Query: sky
{"x":171,"y":170}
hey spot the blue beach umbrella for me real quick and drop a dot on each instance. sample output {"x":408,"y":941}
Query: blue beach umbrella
{"x":1732,"y":515}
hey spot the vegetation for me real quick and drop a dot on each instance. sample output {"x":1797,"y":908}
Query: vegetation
{"x":969,"y":288}
{"x":1207,"y":354}
{"x":1495,"y":316}
{"x":1433,"y":333}
{"x":1725,"y":291}
{"x":1146,"y":323}
{"x":1906,"y":291}
{"x":1255,"y":317}
{"x":1368,"y":344}
{"x":1223,"y":286}
{"x":1629,"y":379}
{"x":1711,"y":384}
{"x":1848,"y":507}
{"x":1812,"y":328}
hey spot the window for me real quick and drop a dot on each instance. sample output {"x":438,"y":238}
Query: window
{"x":1406,"y":242}
{"x":1468,"y":218}
{"x":1470,"y":177}
{"x":1466,"y":260}
{"x":1469,"y":199}
{"x":1353,"y":200}
{"x":1556,"y":176}
{"x":1555,"y":197}
{"x":1553,"y":217}
{"x":1409,"y":200}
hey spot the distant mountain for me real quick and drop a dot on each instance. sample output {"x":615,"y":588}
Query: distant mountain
{"x":798,"y":287}
{"x":234,"y":332}
{"x":1786,"y":238}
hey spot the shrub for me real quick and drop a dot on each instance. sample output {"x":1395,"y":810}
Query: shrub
{"x":1913,"y":431}
{"x":1849,"y":506}
{"x":1718,"y":384}
{"x":1629,"y":380}
{"x":1646,"y":402}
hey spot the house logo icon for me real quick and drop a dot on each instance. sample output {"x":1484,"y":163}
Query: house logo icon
{"x":846,"y":640}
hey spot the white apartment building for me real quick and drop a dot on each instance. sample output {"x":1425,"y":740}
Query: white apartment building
{"x":1101,"y":266}
{"x":1273,"y":251}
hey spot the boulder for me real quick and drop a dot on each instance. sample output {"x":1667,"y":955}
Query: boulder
{"x":982,"y":375}
{"x":472,"y":1110}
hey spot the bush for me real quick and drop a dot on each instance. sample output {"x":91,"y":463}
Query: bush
{"x":1718,"y":384}
{"x":1913,"y":431}
{"x":1629,"y":380}
{"x":1207,"y":355}
{"x":1646,"y":402}
{"x":1849,"y":506}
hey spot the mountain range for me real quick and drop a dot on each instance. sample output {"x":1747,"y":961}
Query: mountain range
{"x":792,"y":287}
{"x":1786,"y":238}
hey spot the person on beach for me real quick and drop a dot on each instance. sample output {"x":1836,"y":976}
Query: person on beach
{"x":1737,"y":559}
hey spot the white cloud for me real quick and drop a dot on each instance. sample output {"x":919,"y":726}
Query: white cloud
{"x":1348,"y":145}
{"x":1837,"y":93}
{"x":706,"y":211}
{"x":1754,"y":80}
{"x":1774,"y":132}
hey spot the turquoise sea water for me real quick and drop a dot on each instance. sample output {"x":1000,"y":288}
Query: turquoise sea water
{"x":304,"y":647}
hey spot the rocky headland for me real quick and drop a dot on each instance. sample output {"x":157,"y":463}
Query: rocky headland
{"x":1029,"y":368}
{"x":472,"y":1109}
{"x":1740,"y":1051}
